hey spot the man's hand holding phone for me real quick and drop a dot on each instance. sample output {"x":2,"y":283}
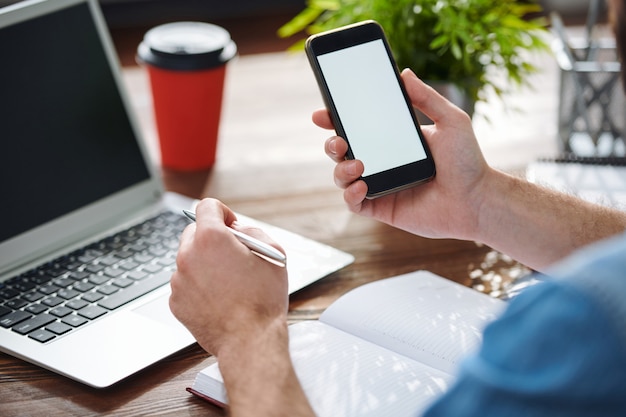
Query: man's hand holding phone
{"x":448,"y":206}
{"x":369,"y":107}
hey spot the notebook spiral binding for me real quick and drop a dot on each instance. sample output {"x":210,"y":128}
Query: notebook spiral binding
{"x":587,"y":160}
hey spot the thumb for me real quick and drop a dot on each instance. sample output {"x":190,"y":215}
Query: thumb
{"x":426,"y":99}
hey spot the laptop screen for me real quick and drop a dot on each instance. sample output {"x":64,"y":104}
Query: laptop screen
{"x":66,"y":139}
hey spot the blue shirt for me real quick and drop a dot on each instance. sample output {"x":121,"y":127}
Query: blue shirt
{"x":559,"y":349}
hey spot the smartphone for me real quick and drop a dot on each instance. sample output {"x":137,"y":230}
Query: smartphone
{"x":369,"y":106}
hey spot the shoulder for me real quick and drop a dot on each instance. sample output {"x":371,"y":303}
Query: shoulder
{"x":561,"y":338}
{"x":598,"y":273}
{"x":556,"y":348}
{"x":571,"y":329}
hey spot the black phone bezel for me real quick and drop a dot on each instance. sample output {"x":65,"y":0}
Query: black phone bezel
{"x":394,"y":179}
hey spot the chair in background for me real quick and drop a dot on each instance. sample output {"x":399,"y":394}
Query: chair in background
{"x":592,"y":112}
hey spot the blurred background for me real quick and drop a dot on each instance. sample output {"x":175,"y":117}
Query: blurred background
{"x":252,"y":23}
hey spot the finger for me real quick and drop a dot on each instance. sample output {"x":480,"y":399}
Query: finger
{"x":322,"y":119}
{"x":426,"y":99}
{"x":336,"y":148}
{"x":186,"y":237}
{"x":354,"y":195}
{"x":212,"y":221}
{"x":347,"y":172}
{"x":257,"y":233}
{"x":211,"y":213}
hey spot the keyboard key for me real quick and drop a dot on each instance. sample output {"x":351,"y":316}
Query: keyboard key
{"x":76,"y":304}
{"x":34,"y":323}
{"x":48,"y":289}
{"x":135,"y":291}
{"x":139,"y":246}
{"x":4,"y":310}
{"x":63,"y":282}
{"x":11,"y":319}
{"x":8,"y":293}
{"x":74,"y":320}
{"x":98,"y":279}
{"x":36,"y":308}
{"x":33,"y":296}
{"x":24,"y":286}
{"x":86,"y":258}
{"x":137,"y":275}
{"x":42,"y":335}
{"x":92,"y":297}
{"x":72,"y":264}
{"x":158,"y":251}
{"x":123,"y":282}
{"x":108,"y":289}
{"x":152,"y":268}
{"x":16,"y":303}
{"x":68,"y":294}
{"x":108,"y":260}
{"x":92,"y":312}
{"x":58,"y":328}
{"x":83,"y":286}
{"x":61,"y":311}
{"x":79,"y":275}
{"x":40,"y":279}
{"x":143,"y":258}
{"x":94,"y":268}
{"x":129,"y":265}
{"x":52,"y":301}
{"x":124,"y":254}
{"x":54,"y":271}
{"x":113,"y":272}
{"x":167,"y":261}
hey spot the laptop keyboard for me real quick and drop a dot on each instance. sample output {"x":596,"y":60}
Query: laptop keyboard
{"x":72,"y":290}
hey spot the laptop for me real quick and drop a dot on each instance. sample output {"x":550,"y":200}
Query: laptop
{"x":88,"y":236}
{"x":600,"y":180}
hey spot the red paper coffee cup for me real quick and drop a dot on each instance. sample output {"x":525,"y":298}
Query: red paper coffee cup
{"x":186,"y":64}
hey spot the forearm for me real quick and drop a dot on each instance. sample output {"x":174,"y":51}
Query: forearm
{"x":259,"y":376}
{"x":538,"y":226}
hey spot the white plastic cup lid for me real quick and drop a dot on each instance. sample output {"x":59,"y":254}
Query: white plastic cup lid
{"x":186,"y":46}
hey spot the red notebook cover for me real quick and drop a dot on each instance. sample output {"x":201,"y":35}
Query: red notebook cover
{"x":206,"y":398}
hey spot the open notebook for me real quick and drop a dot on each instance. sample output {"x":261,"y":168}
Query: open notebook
{"x":88,"y":237}
{"x":386,"y":348}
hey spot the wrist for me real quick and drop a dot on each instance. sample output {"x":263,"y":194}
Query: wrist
{"x":267,"y":336}
{"x":476,"y":209}
{"x":259,"y":376}
{"x":493,"y":200}
{"x":258,"y":351}
{"x":538,"y":226}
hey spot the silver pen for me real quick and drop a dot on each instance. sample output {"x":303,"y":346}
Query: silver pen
{"x":255,"y":245}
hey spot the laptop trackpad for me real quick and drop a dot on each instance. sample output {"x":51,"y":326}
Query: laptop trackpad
{"x":159,"y":310}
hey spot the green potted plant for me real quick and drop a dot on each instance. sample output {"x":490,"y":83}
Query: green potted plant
{"x":466,"y":44}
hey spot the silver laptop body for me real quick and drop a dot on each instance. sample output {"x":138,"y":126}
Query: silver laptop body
{"x":74,"y":171}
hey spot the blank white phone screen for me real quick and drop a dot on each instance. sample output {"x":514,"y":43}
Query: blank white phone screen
{"x":372,"y":109}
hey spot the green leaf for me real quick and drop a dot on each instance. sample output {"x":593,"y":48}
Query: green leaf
{"x":456,"y":49}
{"x":439,"y":41}
{"x":325,"y":4}
{"x":458,"y":41}
{"x":297,"y":46}
{"x":299,"y":22}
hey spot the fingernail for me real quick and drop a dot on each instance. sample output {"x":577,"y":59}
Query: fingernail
{"x":351,"y":168}
{"x":332,"y":146}
{"x":410,"y":72}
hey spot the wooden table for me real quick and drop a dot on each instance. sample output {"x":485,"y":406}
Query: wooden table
{"x":271,"y":166}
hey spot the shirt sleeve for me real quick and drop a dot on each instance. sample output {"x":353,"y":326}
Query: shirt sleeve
{"x":554,"y":352}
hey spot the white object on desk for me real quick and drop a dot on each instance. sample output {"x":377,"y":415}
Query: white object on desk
{"x":600,"y":184}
